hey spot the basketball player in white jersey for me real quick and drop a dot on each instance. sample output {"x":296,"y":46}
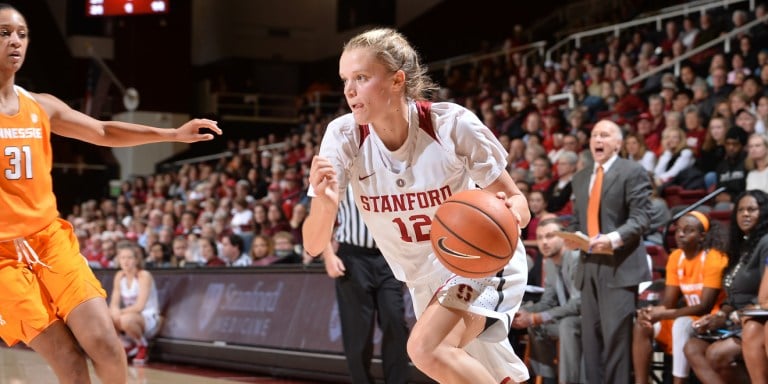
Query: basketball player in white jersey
{"x":134,"y":305}
{"x":403,"y":157}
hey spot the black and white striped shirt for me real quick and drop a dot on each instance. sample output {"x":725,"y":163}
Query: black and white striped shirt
{"x":351,"y":229}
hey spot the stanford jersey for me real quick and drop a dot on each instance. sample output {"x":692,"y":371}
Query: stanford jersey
{"x":398,"y":192}
{"x":447,"y":150}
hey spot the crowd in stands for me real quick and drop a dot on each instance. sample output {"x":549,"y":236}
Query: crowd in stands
{"x":701,"y":130}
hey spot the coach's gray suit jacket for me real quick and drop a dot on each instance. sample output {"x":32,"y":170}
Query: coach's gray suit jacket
{"x":624,"y":207}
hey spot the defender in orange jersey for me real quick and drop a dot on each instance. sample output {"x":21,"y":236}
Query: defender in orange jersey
{"x":51,"y":300}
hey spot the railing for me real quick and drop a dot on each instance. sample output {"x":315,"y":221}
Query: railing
{"x":326,"y":101}
{"x":686,"y":5}
{"x":724,"y":39}
{"x":220,"y":155}
{"x":616,"y":29}
{"x":80,"y":166}
{"x":254,"y":107}
{"x":472,"y":58}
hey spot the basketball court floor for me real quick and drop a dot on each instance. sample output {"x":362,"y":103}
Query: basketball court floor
{"x":23,"y":366}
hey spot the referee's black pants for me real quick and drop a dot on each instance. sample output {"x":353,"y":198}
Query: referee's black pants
{"x":368,"y":288}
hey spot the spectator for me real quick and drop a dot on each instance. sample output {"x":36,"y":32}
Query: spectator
{"x":285,"y":248}
{"x":708,"y":31}
{"x":134,"y":305}
{"x":233,"y":251}
{"x":753,"y":90}
{"x":537,"y":203}
{"x":297,"y":221}
{"x":627,"y":105}
{"x":682,"y":99}
{"x":719,"y":88}
{"x":694,"y":130}
{"x":659,"y":215}
{"x":276,"y":221}
{"x":746,"y":119}
{"x":242,"y":218}
{"x":178,"y":250}
{"x":159,"y":256}
{"x":702,"y":100}
{"x":694,"y":273}
{"x":738,"y":68}
{"x":108,"y":253}
{"x":260,"y":218}
{"x":634,"y":149}
{"x":210,"y":252}
{"x":713,"y":149}
{"x":559,"y":194}
{"x":757,"y":162}
{"x":262,"y":251}
{"x":689,"y":33}
{"x":646,"y":131}
{"x":718,"y":361}
{"x":516,"y":157}
{"x":762,"y":115}
{"x":541,"y":173}
{"x":731,"y":172}
{"x":556,"y":315}
{"x":676,"y":157}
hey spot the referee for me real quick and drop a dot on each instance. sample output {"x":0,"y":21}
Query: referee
{"x":365,"y":287}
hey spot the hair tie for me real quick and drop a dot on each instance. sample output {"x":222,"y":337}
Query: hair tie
{"x":702,"y":218}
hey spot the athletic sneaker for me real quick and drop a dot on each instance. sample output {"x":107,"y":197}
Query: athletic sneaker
{"x":141,"y":355}
{"x":131,"y":351}
{"x":129,"y":345}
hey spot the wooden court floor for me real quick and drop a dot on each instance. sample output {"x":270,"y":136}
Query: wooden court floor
{"x":23,"y":366}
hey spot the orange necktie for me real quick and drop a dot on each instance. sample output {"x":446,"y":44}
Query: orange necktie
{"x":593,"y":207}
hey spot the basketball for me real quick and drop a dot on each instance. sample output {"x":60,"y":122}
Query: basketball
{"x":474,"y":234}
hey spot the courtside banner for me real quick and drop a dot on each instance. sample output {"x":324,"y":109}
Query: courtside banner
{"x":290,"y":310}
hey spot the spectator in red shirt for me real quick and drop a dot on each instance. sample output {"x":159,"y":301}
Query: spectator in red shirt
{"x":650,"y":136}
{"x":627,"y":103}
{"x":694,"y":130}
{"x":210,"y":252}
{"x":541,"y":172}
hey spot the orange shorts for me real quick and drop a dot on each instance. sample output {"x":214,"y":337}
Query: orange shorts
{"x":664,"y":338}
{"x":35,"y":296}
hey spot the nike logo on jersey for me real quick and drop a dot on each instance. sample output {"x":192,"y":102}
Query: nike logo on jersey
{"x":361,"y":178}
{"x":451,"y":252}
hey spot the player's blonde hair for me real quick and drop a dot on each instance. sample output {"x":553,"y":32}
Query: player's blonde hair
{"x":396,"y":53}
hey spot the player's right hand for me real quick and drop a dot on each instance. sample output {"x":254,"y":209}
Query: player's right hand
{"x":334,"y":267}
{"x":322,"y":177}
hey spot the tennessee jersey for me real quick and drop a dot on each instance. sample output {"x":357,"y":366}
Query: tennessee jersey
{"x":398,"y":192}
{"x":693,"y":275}
{"x":27,"y":202}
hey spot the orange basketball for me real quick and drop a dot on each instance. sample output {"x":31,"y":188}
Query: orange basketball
{"x":474,"y":234}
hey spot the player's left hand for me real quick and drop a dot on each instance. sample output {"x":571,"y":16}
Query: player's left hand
{"x":190,"y":131}
{"x":509,"y":203}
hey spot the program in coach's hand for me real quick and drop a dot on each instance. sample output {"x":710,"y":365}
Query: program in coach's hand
{"x":581,"y":240}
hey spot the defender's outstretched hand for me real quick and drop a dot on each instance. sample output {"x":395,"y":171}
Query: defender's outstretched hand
{"x":190,"y":131}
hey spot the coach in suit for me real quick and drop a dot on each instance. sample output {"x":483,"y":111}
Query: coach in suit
{"x":612,"y":201}
{"x":556,"y":315}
